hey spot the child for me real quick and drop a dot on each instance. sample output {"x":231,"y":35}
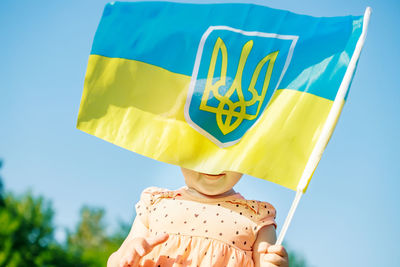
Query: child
{"x":204,"y":224}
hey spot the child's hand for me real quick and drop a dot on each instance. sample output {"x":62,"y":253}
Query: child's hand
{"x":273,"y":256}
{"x":139,"y":247}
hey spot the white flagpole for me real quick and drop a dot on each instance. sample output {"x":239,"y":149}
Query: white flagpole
{"x":328,"y":128}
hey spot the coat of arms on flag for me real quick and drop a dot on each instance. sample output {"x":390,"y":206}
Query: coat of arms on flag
{"x":218,"y":87}
{"x":236,"y":73}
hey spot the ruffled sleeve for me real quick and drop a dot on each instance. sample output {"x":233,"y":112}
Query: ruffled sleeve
{"x":267,"y":215}
{"x":145,"y":202}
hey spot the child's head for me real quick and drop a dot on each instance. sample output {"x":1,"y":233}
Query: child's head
{"x":209,"y":184}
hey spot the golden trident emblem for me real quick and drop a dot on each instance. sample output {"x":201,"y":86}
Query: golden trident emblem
{"x":235,"y":109}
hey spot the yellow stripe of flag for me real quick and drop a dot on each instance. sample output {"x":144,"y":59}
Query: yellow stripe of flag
{"x":145,"y":115}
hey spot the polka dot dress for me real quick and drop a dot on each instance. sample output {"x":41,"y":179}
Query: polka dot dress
{"x":202,"y":232}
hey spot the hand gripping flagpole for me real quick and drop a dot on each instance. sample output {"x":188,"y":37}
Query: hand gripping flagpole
{"x":328,"y":128}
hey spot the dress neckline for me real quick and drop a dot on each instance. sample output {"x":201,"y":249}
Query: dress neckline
{"x":183,"y":192}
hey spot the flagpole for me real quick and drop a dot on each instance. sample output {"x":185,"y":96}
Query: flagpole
{"x":289,"y":217}
{"x":328,"y":128}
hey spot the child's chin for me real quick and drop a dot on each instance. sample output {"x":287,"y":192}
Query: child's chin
{"x":211,"y":190}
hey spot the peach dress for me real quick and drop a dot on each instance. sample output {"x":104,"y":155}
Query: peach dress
{"x":202,"y":232}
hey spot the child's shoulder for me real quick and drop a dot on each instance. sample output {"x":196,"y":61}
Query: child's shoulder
{"x":152,"y":190}
{"x":150,"y":194}
{"x":260,"y":208}
{"x":266,"y":210}
{"x":263,"y":212}
{"x":265,"y":206}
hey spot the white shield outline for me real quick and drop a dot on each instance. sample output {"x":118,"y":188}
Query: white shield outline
{"x":193,"y":80}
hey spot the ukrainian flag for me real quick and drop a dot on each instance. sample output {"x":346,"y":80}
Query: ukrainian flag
{"x":215,"y":87}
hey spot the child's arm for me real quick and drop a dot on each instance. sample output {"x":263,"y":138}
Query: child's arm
{"x":264,"y":253}
{"x":136,"y":245}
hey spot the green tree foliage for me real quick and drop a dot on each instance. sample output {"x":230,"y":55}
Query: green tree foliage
{"x":26,"y":233}
{"x":26,"y":230}
{"x":1,"y":188}
{"x":295,"y":259}
{"x":90,"y":241}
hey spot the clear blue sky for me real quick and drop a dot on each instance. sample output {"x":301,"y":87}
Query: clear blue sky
{"x":349,"y":216}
